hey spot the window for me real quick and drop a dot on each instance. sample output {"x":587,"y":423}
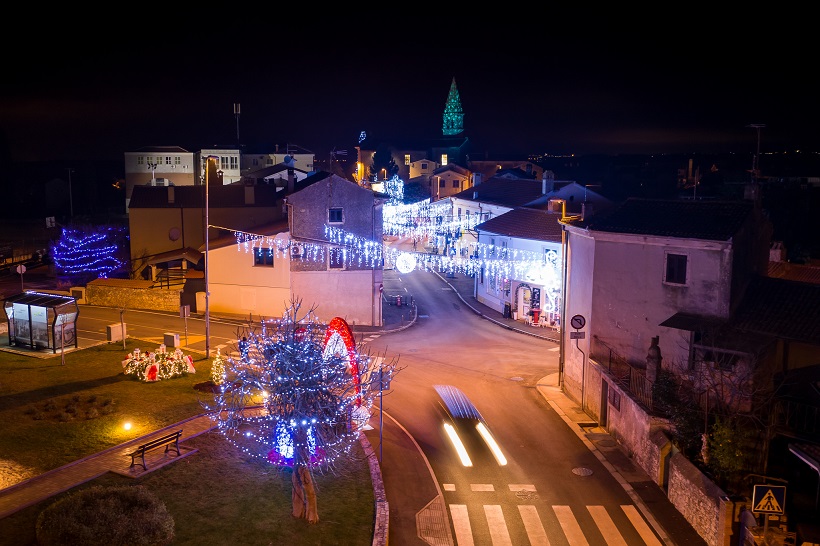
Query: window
{"x":456,"y":183}
{"x":441,"y":182}
{"x":337,"y":258}
{"x":335,"y":215}
{"x":263,"y":257}
{"x":424,"y":166}
{"x":140,"y":160}
{"x":234,"y":162}
{"x":223,"y":161}
{"x":177,"y":160}
{"x":167,"y":159}
{"x":443,"y":159}
{"x":675,"y":268}
{"x":406,"y":159}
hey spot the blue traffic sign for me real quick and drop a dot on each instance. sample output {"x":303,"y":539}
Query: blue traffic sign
{"x":769,"y":499}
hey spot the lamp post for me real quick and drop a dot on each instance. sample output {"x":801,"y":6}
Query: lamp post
{"x":207,"y":259}
{"x":207,"y":309}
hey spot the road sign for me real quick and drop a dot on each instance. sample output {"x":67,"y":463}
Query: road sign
{"x":577,"y":322}
{"x":769,"y":499}
{"x":21,"y":269}
{"x":577,"y":335}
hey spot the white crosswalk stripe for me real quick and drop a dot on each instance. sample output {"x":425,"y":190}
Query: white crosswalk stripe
{"x":533,"y":526}
{"x":499,"y":527}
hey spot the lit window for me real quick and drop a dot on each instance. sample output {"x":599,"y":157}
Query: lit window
{"x":406,"y":159}
{"x":263,"y":257}
{"x":443,"y":159}
{"x":676,"y":268}
{"x":337,"y":258}
{"x":335,"y":215}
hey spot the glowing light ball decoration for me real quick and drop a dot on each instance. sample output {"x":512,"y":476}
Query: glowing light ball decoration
{"x":405,"y":262}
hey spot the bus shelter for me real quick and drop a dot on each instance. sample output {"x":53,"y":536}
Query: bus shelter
{"x":42,"y":321}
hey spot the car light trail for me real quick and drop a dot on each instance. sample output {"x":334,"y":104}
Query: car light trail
{"x":490,"y":441}
{"x":462,"y":453}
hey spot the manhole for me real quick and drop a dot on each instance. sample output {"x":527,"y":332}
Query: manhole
{"x":581,"y":471}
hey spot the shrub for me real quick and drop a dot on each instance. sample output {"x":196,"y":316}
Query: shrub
{"x":113,"y":516}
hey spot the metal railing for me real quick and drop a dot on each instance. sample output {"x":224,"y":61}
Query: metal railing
{"x":630,"y":378}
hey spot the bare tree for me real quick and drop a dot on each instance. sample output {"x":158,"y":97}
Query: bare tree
{"x":729,"y":378}
{"x":298,"y":396}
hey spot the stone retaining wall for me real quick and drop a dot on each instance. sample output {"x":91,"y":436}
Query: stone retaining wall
{"x":136,"y":296}
{"x":702,"y":503}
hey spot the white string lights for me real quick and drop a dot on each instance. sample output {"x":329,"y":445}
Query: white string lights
{"x":427,"y":223}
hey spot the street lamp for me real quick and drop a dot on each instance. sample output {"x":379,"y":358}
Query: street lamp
{"x":207,"y":258}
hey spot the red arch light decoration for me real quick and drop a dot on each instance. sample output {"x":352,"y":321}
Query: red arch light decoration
{"x":338,"y":331}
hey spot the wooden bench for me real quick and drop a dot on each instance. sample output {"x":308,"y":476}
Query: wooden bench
{"x":170,"y":441}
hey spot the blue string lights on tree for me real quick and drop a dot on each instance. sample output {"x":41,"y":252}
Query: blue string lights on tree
{"x":82,"y":254}
{"x":298,"y":397}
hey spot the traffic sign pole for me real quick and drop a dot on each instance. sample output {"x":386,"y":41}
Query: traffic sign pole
{"x":21,"y":269}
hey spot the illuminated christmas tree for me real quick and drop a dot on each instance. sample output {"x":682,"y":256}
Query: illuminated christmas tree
{"x":83,"y":254}
{"x":298,"y":397}
{"x":453,"y":114}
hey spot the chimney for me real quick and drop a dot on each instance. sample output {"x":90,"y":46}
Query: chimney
{"x":291,"y":180}
{"x":476,"y":179}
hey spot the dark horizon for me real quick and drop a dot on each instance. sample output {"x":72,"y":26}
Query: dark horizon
{"x":100,"y":92}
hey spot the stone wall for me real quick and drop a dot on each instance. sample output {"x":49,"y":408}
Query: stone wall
{"x":700,"y":501}
{"x":131,"y":295}
{"x":703,"y":504}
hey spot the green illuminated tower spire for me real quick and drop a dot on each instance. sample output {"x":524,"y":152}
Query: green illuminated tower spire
{"x":453,"y":114}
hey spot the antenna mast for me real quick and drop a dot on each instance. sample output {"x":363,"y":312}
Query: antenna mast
{"x":236,"y":108}
{"x":756,"y":160}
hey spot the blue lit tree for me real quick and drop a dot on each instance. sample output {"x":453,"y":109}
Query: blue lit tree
{"x":298,"y":397}
{"x":87,"y":253}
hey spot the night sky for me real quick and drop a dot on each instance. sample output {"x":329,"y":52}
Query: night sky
{"x":94,"y":90}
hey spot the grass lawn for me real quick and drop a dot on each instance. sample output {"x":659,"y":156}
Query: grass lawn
{"x":53,"y":414}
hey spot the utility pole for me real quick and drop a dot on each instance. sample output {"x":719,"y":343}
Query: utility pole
{"x":756,"y":160}
{"x":70,"y":194}
{"x":236,"y":110}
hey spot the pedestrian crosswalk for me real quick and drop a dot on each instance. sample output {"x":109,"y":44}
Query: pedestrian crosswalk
{"x":501,"y":522}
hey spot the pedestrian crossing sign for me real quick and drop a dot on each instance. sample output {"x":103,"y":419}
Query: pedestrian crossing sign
{"x":769,"y":499}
